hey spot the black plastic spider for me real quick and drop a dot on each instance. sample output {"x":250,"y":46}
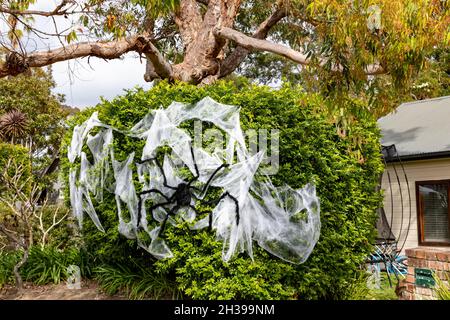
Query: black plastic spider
{"x":183,"y":194}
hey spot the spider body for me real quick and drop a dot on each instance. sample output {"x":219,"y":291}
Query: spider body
{"x":183,"y":195}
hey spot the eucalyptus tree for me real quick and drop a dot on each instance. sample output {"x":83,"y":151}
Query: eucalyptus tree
{"x":343,"y":48}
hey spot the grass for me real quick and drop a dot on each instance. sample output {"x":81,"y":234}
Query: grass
{"x":136,"y":283}
{"x":44,"y":266}
{"x":49,"y":265}
{"x":442,"y":289}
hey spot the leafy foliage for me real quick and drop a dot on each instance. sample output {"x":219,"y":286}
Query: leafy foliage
{"x":345,"y":172}
{"x":136,"y":281}
{"x":434,"y":81}
{"x":385,"y":292}
{"x":44,"y":265}
{"x":342,"y":39}
{"x":442,"y":288}
{"x":49,"y":264}
{"x":7,"y":262}
{"x":21,"y":157}
{"x":400,"y":35}
{"x":31,"y":96}
{"x":59,"y":235}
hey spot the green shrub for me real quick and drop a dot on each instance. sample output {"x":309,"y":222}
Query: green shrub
{"x":44,"y":265}
{"x":345,"y":170}
{"x":12,"y":158}
{"x":136,"y":281}
{"x":19,"y":157}
{"x":8,"y":260}
{"x":442,"y":288}
{"x":63,"y":235}
{"x":49,"y":264}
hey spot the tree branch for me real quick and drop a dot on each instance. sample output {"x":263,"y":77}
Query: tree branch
{"x":150,"y":73}
{"x":263,"y":45}
{"x":160,"y":66}
{"x":250,"y":43}
{"x":55,"y":12}
{"x":17,"y":63}
{"x":9,"y":234}
{"x":201,"y":55}
{"x":234,"y":59}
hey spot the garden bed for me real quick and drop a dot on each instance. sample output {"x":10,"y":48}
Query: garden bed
{"x":89,"y":291}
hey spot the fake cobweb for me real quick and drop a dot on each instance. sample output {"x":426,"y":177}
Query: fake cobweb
{"x":283,"y":221}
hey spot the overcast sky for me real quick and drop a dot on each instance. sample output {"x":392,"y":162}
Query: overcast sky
{"x":81,"y":82}
{"x":84,"y":83}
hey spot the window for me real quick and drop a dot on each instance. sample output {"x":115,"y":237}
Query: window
{"x":433,"y":212}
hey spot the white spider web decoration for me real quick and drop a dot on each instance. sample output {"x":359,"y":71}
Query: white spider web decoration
{"x":283,"y":221}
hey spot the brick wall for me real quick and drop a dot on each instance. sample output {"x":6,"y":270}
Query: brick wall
{"x":434,"y":259}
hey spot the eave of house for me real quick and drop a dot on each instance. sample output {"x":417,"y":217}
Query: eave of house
{"x":419,"y":130}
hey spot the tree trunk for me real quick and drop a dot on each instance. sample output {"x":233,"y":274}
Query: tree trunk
{"x":202,"y":47}
{"x":16,"y":270}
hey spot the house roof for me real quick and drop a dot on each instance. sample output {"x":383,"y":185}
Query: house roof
{"x":419,"y":129}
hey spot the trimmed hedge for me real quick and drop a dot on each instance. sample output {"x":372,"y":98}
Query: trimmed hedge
{"x":310,"y":150}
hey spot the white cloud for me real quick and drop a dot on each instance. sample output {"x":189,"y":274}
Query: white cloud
{"x":83,"y":84}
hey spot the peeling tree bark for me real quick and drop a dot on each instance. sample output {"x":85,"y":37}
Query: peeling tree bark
{"x":234,"y":59}
{"x":201,"y":55}
{"x":189,"y":21}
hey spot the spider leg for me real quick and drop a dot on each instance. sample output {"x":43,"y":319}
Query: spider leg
{"x":195,"y":162}
{"x":236,"y":202}
{"x":154,"y":191}
{"x":194,"y":196}
{"x":164,"y":175}
{"x":163,"y":225}
{"x":225,"y":194}
{"x":223,"y":165}
{"x":160,"y":167}
{"x":150,"y":210}
{"x":195,"y":178}
{"x":140,"y":201}
{"x":206,"y":186}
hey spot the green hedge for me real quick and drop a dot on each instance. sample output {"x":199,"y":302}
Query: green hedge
{"x":310,"y":150}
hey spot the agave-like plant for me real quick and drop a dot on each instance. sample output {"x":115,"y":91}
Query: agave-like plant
{"x":13,"y":125}
{"x":442,"y":288}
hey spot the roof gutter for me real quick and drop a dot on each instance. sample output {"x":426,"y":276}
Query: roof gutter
{"x":420,"y":156}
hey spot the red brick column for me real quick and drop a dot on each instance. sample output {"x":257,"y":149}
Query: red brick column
{"x":437,"y":260}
